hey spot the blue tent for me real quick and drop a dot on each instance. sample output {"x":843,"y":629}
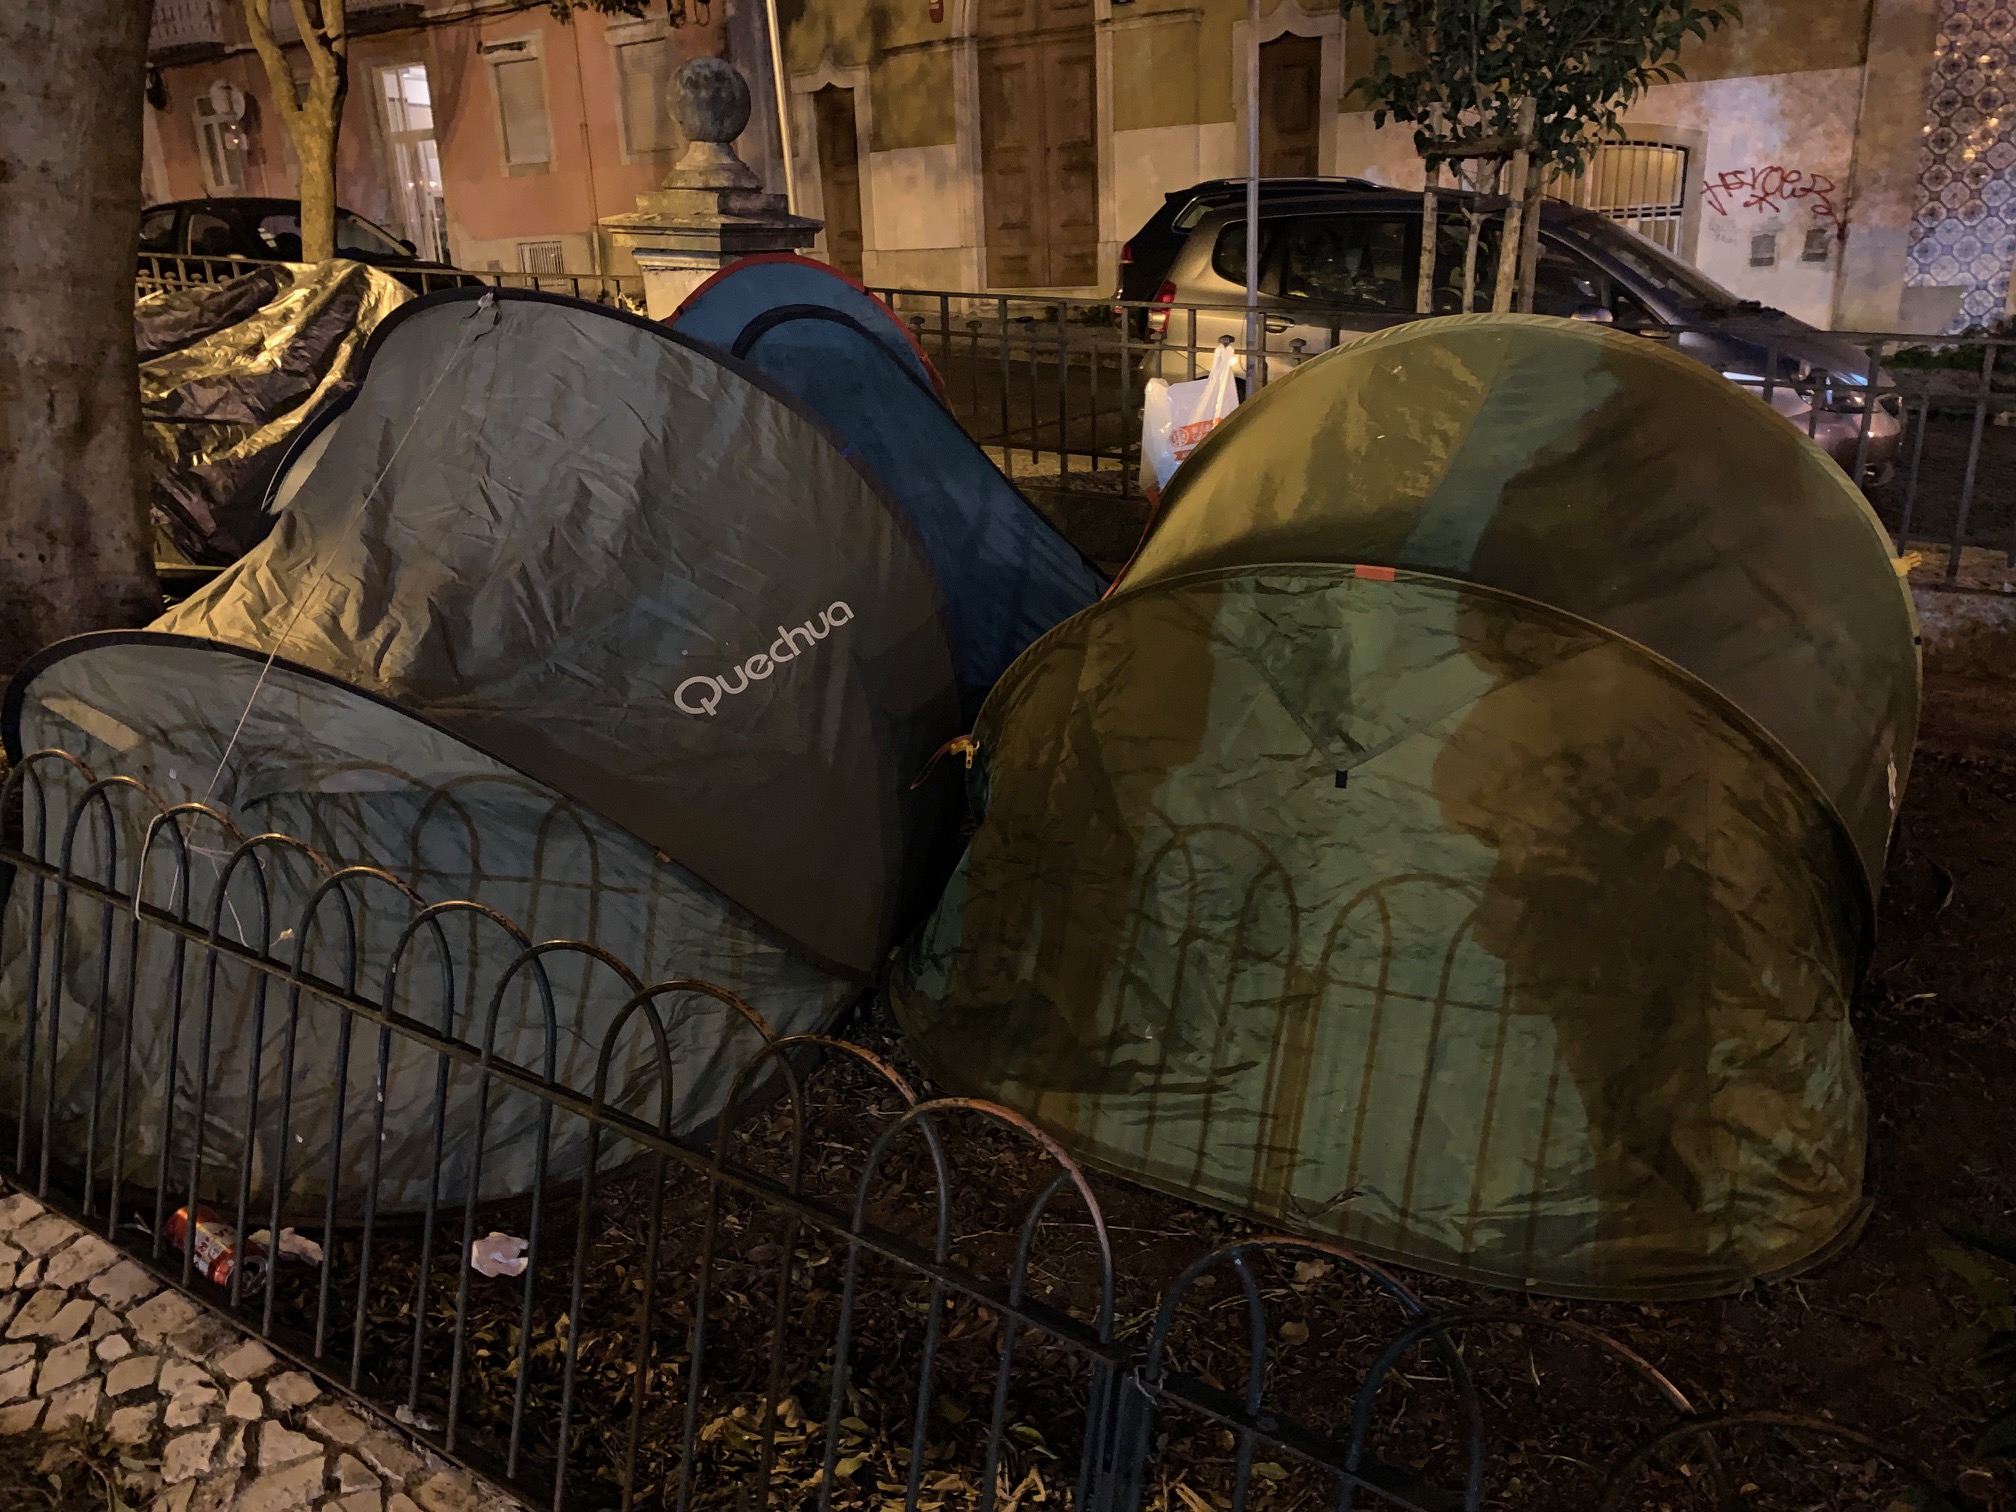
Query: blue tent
{"x":721,"y":309}
{"x":1007,"y":575}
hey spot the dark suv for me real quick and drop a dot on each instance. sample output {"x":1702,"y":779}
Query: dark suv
{"x":1146,"y":256}
{"x":1334,"y":263}
{"x":269,"y":230}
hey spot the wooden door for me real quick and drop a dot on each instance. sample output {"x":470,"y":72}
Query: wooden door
{"x":1039,"y":145}
{"x":1291,"y":101}
{"x":839,"y":176}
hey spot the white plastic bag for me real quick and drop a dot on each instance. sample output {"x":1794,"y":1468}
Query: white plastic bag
{"x":498,"y":1254}
{"x":1175,"y":417}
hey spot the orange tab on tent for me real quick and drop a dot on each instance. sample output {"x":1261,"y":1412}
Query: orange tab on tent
{"x":1373,"y":574}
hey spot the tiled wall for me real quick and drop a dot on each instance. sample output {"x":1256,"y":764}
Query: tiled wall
{"x":1964,"y":234}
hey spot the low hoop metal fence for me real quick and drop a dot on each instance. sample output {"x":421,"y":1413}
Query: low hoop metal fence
{"x":826,"y":1288}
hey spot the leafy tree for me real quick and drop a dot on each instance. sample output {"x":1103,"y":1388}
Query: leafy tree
{"x":75,"y":541}
{"x":314,"y":114}
{"x":1466,"y":69}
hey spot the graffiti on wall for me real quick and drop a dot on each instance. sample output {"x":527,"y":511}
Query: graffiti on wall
{"x":1771,"y":188}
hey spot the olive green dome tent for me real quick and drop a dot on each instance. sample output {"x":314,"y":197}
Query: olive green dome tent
{"x":1458,"y":832}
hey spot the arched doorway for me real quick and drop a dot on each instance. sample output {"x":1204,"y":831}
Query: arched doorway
{"x":1039,"y":144}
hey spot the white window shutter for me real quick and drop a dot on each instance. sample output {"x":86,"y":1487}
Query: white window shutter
{"x":521,"y":101}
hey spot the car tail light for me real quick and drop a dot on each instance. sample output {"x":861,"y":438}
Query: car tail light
{"x":1158,"y":320}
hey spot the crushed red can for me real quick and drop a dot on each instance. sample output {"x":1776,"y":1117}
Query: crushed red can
{"x":215,"y":1246}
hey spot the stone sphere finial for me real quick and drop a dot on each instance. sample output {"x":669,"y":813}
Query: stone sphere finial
{"x":711,"y":99}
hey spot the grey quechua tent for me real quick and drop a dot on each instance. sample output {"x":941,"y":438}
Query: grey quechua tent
{"x":1458,"y":832}
{"x":577,"y":619}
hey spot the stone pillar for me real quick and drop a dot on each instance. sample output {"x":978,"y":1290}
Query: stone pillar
{"x":712,"y":209}
{"x":1889,"y":154}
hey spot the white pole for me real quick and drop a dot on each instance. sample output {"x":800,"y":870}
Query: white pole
{"x":783,"y":105}
{"x":1256,"y":358}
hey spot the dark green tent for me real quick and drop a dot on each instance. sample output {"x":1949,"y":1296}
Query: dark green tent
{"x":1458,"y":832}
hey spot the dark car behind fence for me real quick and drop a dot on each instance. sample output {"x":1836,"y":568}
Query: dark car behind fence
{"x":844,"y":1293}
{"x":1927,"y":426}
{"x":1052,"y":387}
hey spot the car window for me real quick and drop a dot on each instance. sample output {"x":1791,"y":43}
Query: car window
{"x":1228,"y":257}
{"x":210,"y":235}
{"x":1629,"y":311}
{"x":1691,"y":291}
{"x":1452,"y":239}
{"x":1564,"y":284}
{"x":356,"y":234}
{"x":1357,"y":261}
{"x":157,"y":231}
{"x":280,"y":235}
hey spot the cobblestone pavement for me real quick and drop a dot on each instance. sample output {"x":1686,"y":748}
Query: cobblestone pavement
{"x":203,"y":1417}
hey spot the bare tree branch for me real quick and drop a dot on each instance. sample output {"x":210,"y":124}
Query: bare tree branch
{"x":278,"y":74}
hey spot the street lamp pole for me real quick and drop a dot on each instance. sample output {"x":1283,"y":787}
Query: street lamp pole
{"x":1256,"y":357}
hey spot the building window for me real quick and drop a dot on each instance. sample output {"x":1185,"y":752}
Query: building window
{"x":1819,"y":241}
{"x":644,"y":79}
{"x":421,"y":207}
{"x":220,"y":137}
{"x":520,"y":80}
{"x":1764,"y":250}
{"x":1641,"y":185}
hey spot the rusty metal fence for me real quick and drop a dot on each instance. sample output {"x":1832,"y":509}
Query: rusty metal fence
{"x":1052,"y":388}
{"x":162,"y":270}
{"x":1927,"y":426}
{"x":840,"y":1292}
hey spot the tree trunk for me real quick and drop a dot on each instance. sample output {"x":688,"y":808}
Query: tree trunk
{"x":1424,"y":284}
{"x":1529,"y":236}
{"x":1512,"y":239}
{"x":315,"y":146}
{"x":76,"y":542}
{"x":314,"y":116}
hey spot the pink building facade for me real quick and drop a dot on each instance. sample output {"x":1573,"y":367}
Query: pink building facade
{"x":491,"y":135}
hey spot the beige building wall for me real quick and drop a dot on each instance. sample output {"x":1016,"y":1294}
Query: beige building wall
{"x":1805,"y":119}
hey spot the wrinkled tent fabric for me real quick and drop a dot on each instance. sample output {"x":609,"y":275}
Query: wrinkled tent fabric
{"x":723,"y":307}
{"x":645,"y":575}
{"x":368,"y":785}
{"x":1605,"y":475}
{"x":1481,"y":933}
{"x":229,"y":373}
{"x":687,"y":649}
{"x":1008,"y":575}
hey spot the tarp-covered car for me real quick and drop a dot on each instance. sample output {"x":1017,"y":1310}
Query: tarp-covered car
{"x":229,"y":374}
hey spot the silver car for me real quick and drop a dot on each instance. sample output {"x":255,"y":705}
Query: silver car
{"x":1334,"y":263}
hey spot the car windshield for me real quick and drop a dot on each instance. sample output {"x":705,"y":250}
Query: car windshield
{"x":356,"y":234}
{"x":1687,"y":288}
